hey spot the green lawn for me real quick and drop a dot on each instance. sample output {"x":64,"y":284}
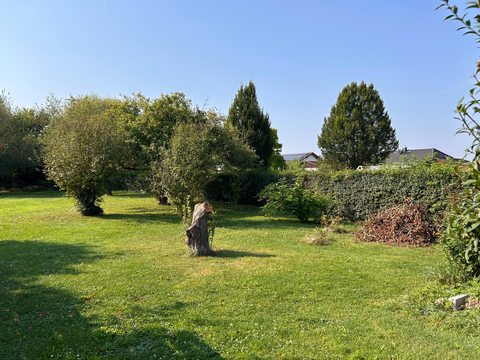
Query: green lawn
{"x":123,"y":286}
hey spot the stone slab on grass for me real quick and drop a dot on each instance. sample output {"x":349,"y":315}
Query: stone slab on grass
{"x":458,"y":301}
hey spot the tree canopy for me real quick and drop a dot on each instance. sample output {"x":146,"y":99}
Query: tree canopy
{"x":253,"y":123}
{"x":83,"y":147}
{"x":358,"y":130}
{"x":197,"y":150}
{"x":149,"y":123}
{"x":20,"y":133}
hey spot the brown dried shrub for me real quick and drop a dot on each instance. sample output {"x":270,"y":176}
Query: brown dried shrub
{"x":406,"y":224}
{"x":472,"y":303}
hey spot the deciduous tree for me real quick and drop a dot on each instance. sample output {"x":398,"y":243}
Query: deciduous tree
{"x":20,"y":133}
{"x":196,"y":152}
{"x":83,"y":147}
{"x":149,"y":123}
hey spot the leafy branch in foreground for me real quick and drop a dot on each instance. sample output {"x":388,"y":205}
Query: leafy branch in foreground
{"x":461,"y":237}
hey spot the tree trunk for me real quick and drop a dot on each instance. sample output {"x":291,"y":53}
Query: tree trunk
{"x":163,"y":200}
{"x":197,"y":233}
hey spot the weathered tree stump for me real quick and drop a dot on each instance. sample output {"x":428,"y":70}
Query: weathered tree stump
{"x":197,"y":233}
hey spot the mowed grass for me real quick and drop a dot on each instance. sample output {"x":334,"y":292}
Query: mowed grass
{"x":123,"y":286}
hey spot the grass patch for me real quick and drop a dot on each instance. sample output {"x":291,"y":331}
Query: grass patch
{"x":123,"y":286}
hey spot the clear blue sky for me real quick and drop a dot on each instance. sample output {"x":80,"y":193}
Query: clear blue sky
{"x":299,"y":54}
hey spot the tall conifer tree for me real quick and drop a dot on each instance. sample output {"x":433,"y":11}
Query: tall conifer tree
{"x":358,"y":130}
{"x":253,"y":123}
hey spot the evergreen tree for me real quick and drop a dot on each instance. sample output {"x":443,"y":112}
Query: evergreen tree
{"x":252,"y":122}
{"x":358,"y":130}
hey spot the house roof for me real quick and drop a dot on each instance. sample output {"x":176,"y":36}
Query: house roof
{"x":418,"y":153}
{"x":301,"y":156}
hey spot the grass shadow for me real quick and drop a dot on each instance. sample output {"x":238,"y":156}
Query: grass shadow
{"x":40,"y":321}
{"x":144,"y":217}
{"x":263,"y":223}
{"x":32,"y":194}
{"x":237,"y":254}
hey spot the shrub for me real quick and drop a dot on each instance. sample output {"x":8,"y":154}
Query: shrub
{"x":82,"y":149}
{"x":283,"y":198}
{"x":406,"y":224}
{"x":461,"y":237}
{"x":191,"y":161}
{"x":462,"y":234}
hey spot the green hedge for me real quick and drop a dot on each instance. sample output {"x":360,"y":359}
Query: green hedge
{"x":242,"y":188}
{"x":360,"y":193}
{"x":130,"y":180}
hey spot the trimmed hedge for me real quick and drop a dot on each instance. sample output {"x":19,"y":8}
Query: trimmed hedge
{"x":130,"y":180}
{"x":242,"y":188}
{"x":360,"y":193}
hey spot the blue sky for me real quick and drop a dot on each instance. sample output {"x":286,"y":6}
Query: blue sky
{"x":299,"y":54}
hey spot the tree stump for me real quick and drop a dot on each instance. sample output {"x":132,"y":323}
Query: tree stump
{"x":197,"y":233}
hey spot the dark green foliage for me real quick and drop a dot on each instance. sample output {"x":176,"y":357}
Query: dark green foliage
{"x":277,"y":161}
{"x":462,"y":235}
{"x":20,"y":133}
{"x":129,"y":180}
{"x":253,"y":123}
{"x":242,"y":188}
{"x":88,"y":202}
{"x":360,"y":193}
{"x":293,"y":199}
{"x":358,"y":130}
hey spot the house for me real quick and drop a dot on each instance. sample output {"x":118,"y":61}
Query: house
{"x":396,"y":156}
{"x":309,"y":159}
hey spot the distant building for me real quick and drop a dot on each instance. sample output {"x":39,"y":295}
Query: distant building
{"x":396,"y":156}
{"x":308,"y":159}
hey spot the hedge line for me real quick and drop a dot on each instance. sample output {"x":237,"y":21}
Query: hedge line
{"x":357,"y":193}
{"x":243,"y":188}
{"x":360,"y":193}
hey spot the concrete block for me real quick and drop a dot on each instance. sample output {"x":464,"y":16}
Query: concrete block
{"x":458,"y":301}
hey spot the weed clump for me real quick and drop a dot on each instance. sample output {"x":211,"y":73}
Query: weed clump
{"x":320,"y":237}
{"x":406,"y":224}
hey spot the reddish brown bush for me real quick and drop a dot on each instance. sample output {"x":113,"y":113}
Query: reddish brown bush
{"x":406,"y":224}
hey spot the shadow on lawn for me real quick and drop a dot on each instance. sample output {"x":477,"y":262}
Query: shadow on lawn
{"x":33,"y":194}
{"x":237,"y":254}
{"x":38,"y":321}
{"x":263,"y":223}
{"x":144,"y":217}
